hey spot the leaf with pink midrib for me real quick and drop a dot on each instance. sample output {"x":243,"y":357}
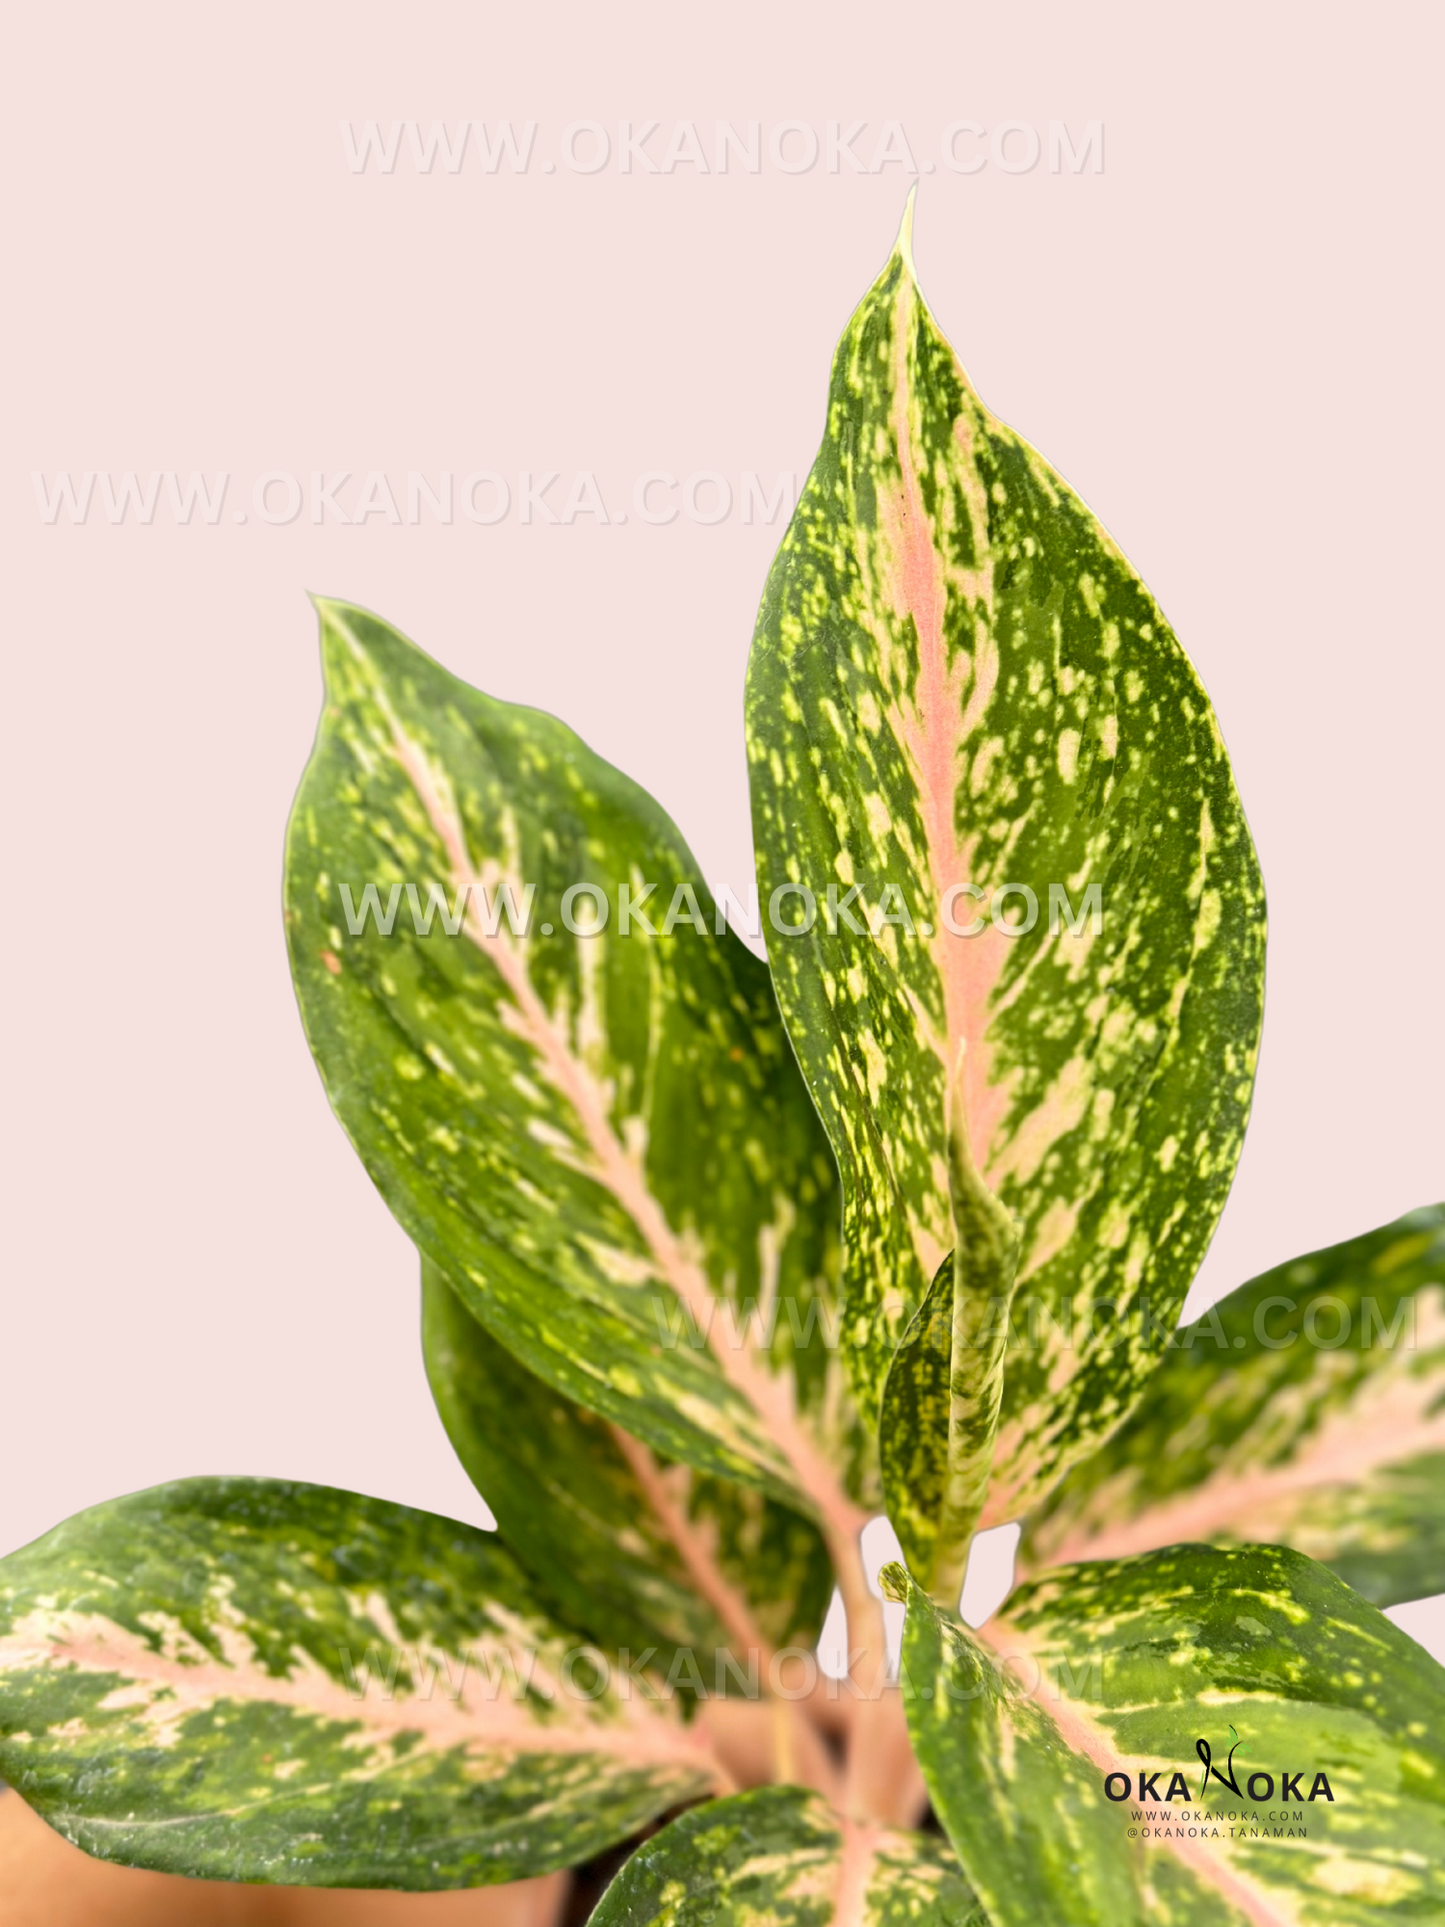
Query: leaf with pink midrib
{"x":956,"y":678}
{"x":1307,"y":1408}
{"x":1154,"y":1666}
{"x":252,"y":1679}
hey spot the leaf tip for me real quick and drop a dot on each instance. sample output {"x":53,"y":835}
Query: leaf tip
{"x":903,"y":246}
{"x":895,"y":1583}
{"x":338,"y":638}
{"x":329,"y":609}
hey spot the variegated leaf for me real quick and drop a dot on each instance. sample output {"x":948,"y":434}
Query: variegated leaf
{"x":943,"y":1391}
{"x":1307,"y":1408}
{"x":958,"y":680}
{"x":643,"y":1555}
{"x":602,"y":1139}
{"x":913,"y":1428}
{"x":782,"y":1856}
{"x":249,"y":1679}
{"x":1249,"y":1662}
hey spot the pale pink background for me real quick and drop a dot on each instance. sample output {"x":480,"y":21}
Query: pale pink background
{"x":1228,"y":341}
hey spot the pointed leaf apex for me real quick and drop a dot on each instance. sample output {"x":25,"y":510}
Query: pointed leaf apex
{"x":903,"y":246}
{"x":894,"y":1581}
{"x":328,"y":608}
{"x":335,"y":634}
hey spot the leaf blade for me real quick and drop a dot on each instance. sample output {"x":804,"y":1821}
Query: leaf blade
{"x":913,"y":1428}
{"x":944,"y":1388}
{"x":179,"y":1675}
{"x":600,"y":1141}
{"x":572,"y":1507}
{"x":1170,"y":1649}
{"x":780,"y":1854}
{"x":1248,"y":1431}
{"x":941,"y":599}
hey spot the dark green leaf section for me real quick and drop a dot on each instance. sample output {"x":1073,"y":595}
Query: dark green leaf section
{"x":1143,"y":1665}
{"x":957,"y":679}
{"x":251,"y":1679}
{"x":573,"y":1510}
{"x":1307,"y":1408}
{"x":942,"y":1394}
{"x":779,"y":1857}
{"x":913,"y":1427}
{"x":985,"y":1267}
{"x":599,"y":1138}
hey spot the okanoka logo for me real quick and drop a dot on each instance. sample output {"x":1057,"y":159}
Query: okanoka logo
{"x":1257,"y":1786}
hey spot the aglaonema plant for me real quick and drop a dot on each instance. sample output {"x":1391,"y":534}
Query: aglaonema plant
{"x":719,"y":1259}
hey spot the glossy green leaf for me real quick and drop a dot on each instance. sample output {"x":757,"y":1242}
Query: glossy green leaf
{"x":1306,"y":1409}
{"x":602,"y":1139}
{"x":943,"y":1391}
{"x":1252,"y":1662}
{"x":641,"y":1554}
{"x":913,"y":1428}
{"x":781,"y":1856}
{"x":957,"y":679}
{"x":249,"y":1679}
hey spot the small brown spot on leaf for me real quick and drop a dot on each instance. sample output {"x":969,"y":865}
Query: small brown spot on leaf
{"x":332,"y":962}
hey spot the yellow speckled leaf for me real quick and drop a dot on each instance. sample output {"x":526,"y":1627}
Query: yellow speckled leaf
{"x":780,"y":1857}
{"x":1194,"y":1738}
{"x":966,"y":714}
{"x":1307,"y":1408}
{"x":601,"y":1137}
{"x":254,"y":1679}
